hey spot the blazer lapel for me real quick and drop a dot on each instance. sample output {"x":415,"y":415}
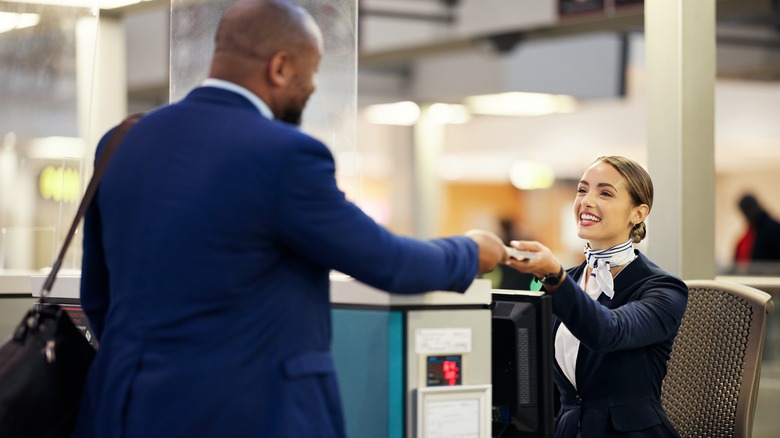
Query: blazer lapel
{"x":625,"y":280}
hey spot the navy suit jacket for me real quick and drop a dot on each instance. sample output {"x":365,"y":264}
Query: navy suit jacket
{"x":625,"y":343}
{"x":206,"y":276}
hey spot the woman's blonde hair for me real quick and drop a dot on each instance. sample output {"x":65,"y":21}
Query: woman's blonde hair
{"x":640,"y":187}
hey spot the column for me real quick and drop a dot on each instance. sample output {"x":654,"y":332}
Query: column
{"x":680,"y":60}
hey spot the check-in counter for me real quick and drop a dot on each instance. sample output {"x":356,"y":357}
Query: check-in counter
{"x":19,"y":291}
{"x":413,"y":365}
{"x":408,"y":365}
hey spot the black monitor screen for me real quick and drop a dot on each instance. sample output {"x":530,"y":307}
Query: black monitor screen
{"x":522,"y":365}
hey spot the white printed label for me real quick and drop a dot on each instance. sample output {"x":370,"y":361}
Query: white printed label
{"x":445,"y":340}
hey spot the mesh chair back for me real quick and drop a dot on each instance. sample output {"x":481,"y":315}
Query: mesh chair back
{"x":711,"y":384}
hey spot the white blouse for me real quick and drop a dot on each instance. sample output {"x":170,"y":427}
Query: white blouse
{"x":566,"y":345}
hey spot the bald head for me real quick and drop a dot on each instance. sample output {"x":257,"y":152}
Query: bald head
{"x":273,"y":49}
{"x":256,"y":29}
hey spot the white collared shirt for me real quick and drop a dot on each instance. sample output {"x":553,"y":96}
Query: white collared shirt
{"x":238,"y":89}
{"x":566,"y":345}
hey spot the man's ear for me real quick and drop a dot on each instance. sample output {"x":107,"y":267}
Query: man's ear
{"x":279,"y":70}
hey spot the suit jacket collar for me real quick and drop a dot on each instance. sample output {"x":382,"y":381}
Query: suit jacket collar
{"x":633,"y":272}
{"x":258,"y":103}
{"x":218,"y":96}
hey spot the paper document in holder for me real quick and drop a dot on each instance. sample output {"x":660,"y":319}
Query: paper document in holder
{"x":462,"y":411}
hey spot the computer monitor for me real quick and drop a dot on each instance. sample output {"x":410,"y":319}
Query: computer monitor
{"x":522,"y":364}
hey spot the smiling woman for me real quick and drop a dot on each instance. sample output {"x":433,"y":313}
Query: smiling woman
{"x":613,"y":199}
{"x":616,"y":315}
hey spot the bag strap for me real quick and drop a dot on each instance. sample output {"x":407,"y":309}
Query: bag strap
{"x":100,"y":168}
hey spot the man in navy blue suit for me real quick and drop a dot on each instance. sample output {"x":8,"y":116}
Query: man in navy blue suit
{"x":208,"y":248}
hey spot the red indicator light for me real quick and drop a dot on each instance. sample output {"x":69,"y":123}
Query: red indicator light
{"x":450,"y":369}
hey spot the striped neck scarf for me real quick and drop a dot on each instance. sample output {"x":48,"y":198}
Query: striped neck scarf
{"x":602,"y":260}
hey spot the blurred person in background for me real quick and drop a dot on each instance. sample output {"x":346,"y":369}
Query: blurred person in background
{"x":758,"y":250}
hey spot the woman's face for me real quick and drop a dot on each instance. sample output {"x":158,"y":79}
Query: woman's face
{"x":603,"y":208}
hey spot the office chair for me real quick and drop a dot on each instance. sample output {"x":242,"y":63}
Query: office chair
{"x":711,"y":385}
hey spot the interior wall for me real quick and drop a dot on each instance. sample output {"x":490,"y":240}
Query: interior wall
{"x":746,"y":136}
{"x":543,"y":213}
{"x":474,"y":205}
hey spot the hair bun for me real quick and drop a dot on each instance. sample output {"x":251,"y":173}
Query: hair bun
{"x":638,"y":232}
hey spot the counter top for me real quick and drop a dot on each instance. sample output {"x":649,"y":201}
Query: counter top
{"x":344,"y":290}
{"x":348,"y":291}
{"x":16,"y":282}
{"x":28,"y":282}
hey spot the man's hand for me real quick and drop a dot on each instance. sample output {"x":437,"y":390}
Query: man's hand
{"x":491,"y":250}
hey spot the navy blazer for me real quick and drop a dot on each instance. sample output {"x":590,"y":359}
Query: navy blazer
{"x":205,"y":276}
{"x":625,"y":344}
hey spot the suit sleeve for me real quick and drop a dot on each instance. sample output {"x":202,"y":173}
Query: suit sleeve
{"x":318,"y":222}
{"x":94,"y":272}
{"x":653,"y":317}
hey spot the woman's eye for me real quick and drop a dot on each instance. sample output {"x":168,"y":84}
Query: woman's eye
{"x":581,"y":190}
{"x":608,"y":194}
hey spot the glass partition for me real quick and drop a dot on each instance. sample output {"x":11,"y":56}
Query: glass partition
{"x":44,"y":57}
{"x":331,"y":112}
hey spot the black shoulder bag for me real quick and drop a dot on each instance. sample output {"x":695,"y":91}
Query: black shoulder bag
{"x":43,"y":366}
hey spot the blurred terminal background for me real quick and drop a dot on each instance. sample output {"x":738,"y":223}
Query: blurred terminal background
{"x":443,"y":115}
